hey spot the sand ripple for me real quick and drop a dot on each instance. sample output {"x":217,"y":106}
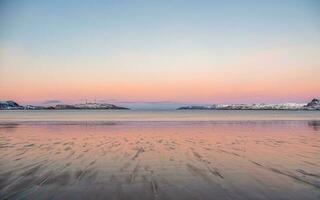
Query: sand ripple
{"x":160,"y":160}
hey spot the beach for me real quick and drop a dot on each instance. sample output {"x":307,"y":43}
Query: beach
{"x":160,"y":159}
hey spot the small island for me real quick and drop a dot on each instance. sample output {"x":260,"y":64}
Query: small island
{"x":312,"y":105}
{"x":11,"y":105}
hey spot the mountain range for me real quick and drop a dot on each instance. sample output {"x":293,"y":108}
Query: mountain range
{"x":314,"y":104}
{"x":11,"y":105}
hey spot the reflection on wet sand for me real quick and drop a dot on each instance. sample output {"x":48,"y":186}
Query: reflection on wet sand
{"x":315,"y":125}
{"x":160,"y":160}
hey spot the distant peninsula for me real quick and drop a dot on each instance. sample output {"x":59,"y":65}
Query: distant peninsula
{"x":314,"y":104}
{"x":11,"y":105}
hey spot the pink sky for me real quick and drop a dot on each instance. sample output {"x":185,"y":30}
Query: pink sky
{"x":216,"y":53}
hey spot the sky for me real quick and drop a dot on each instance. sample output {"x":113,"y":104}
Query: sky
{"x":160,"y":51}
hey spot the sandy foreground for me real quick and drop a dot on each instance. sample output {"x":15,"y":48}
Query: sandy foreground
{"x":160,"y":160}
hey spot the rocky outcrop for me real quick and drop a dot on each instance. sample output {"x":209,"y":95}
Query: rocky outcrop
{"x":194,"y":108}
{"x":10,"y":105}
{"x":64,"y":107}
{"x":313,"y":104}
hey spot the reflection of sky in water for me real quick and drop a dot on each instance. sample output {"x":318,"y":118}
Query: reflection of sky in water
{"x":315,"y":125}
{"x":149,"y":115}
{"x":160,"y":160}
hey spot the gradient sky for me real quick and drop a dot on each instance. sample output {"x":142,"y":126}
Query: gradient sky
{"x":179,"y":51}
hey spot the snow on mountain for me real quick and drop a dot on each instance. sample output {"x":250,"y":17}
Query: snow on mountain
{"x":313,"y":105}
{"x":261,"y":106}
{"x":11,"y":105}
{"x":97,"y":106}
{"x":88,"y":106}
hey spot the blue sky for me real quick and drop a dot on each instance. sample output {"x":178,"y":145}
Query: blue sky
{"x":52,"y":25}
{"x":157,"y":43}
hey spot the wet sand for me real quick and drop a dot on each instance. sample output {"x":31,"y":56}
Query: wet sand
{"x":160,"y":160}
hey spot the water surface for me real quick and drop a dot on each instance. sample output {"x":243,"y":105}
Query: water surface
{"x":150,"y":115}
{"x":264,"y":159}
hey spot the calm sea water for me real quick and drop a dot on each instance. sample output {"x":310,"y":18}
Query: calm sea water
{"x":135,"y":115}
{"x":159,"y":155}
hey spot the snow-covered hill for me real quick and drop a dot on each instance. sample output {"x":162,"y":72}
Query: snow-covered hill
{"x":11,"y":105}
{"x":89,"y":106}
{"x":98,"y":106}
{"x":313,"y":105}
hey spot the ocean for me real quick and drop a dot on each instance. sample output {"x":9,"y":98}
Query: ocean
{"x":154,"y":115}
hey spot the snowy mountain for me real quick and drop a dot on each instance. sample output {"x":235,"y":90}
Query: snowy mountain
{"x":262,"y":106}
{"x":89,"y":106}
{"x":313,"y":105}
{"x":31,"y":107}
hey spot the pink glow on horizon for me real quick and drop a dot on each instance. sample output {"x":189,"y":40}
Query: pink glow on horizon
{"x":206,"y":94}
{"x":266,"y":76}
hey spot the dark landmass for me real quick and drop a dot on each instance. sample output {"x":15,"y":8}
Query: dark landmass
{"x":8,"y":105}
{"x":11,"y":105}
